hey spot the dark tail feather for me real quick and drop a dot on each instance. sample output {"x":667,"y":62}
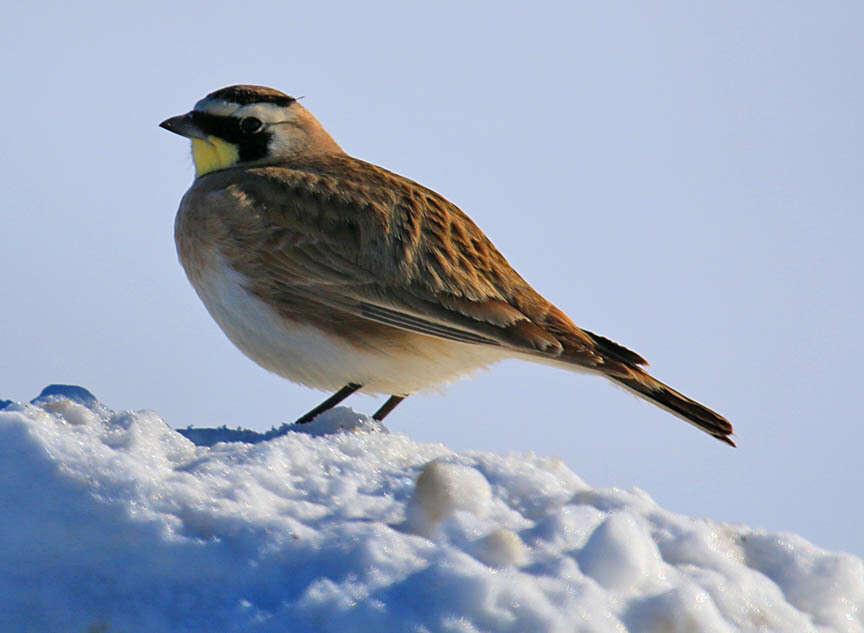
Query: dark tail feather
{"x":648,"y":387}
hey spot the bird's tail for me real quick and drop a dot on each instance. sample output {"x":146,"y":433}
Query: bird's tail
{"x":624,"y":367}
{"x":646,"y":386}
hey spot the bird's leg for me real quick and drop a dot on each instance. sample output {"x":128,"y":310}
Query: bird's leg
{"x":329,"y":403}
{"x":387,"y":407}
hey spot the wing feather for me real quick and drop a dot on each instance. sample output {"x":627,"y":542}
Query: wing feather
{"x":347,"y":234}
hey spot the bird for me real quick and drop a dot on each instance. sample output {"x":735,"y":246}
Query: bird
{"x":343,"y":276}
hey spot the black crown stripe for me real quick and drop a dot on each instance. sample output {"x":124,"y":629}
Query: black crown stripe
{"x":244,"y":95}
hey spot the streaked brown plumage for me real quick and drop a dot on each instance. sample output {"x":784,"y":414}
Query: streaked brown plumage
{"x":367,"y":260}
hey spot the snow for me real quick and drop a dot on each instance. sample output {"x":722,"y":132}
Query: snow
{"x":114,"y":522}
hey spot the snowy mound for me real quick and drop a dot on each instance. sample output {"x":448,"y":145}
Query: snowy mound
{"x":114,"y":522}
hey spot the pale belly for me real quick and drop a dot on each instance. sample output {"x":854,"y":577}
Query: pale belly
{"x":307,"y":355}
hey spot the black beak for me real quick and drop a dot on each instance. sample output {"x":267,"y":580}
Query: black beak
{"x":183,"y":125}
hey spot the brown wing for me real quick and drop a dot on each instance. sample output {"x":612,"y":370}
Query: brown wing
{"x":346,"y":234}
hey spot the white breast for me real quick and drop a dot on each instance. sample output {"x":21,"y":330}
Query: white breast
{"x":307,"y":355}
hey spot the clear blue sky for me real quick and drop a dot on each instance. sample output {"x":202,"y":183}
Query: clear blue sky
{"x":685,"y":178}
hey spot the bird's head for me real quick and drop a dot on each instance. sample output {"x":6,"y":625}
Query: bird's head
{"x":249,"y":124}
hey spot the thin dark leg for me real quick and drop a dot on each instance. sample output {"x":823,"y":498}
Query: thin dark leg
{"x":329,"y":403}
{"x":387,"y":407}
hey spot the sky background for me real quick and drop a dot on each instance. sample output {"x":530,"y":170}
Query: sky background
{"x":684,"y":178}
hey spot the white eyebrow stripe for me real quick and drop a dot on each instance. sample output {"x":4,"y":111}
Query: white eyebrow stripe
{"x":218,"y":107}
{"x":267,"y":112}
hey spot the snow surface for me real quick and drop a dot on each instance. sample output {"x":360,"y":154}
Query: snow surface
{"x":112,"y":522}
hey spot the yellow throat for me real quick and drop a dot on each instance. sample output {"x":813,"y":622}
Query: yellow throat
{"x":213,"y":153}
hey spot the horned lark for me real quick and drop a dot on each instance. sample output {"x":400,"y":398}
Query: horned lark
{"x":342,"y":276}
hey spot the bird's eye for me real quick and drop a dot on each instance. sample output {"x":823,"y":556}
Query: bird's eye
{"x":251,"y":125}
